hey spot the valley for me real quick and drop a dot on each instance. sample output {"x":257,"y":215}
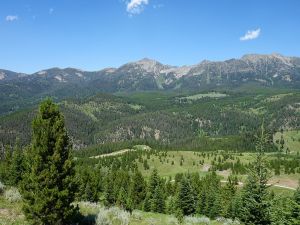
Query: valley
{"x":129,"y":141}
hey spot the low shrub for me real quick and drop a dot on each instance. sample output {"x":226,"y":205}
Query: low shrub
{"x":12,"y":195}
{"x":190,"y":220}
{"x":172,"y":220}
{"x":137,"y":215}
{"x":110,"y":215}
{"x":225,"y":221}
{"x":103,"y":218}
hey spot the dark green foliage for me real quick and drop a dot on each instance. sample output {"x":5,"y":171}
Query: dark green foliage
{"x":147,"y":203}
{"x":158,"y":200}
{"x":137,"y":190}
{"x":171,"y":205}
{"x":227,"y":196}
{"x":17,"y":166}
{"x":155,"y":199}
{"x":209,"y":196}
{"x":106,"y":118}
{"x":48,"y":187}
{"x":115,"y":180}
{"x":122,"y":198}
{"x":284,"y":211}
{"x":186,"y":198}
{"x":255,"y":196}
{"x":5,"y":163}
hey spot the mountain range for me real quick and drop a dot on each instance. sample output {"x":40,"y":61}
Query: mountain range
{"x":18,"y":90}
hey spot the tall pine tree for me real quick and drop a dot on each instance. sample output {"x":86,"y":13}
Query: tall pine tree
{"x":255,"y":197}
{"x":137,"y":189}
{"x":16,"y":165}
{"x":158,"y":200}
{"x":48,"y":186}
{"x":186,"y":199}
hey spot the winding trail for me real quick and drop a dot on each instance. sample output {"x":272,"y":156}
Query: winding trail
{"x":112,"y":154}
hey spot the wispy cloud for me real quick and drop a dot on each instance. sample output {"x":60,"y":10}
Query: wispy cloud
{"x":158,"y":6}
{"x":136,"y":6}
{"x":11,"y":18}
{"x":250,"y":35}
{"x":51,"y":10}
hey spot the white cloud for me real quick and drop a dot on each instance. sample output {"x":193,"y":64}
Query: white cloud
{"x":11,"y":18}
{"x":250,"y":35}
{"x":136,"y":6}
{"x":158,"y":6}
{"x":51,"y":10}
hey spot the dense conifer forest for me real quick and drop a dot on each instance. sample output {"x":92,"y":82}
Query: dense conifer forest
{"x":225,"y":176}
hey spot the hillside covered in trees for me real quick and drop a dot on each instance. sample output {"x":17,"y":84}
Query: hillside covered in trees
{"x":223,"y":119}
{"x":47,"y":183}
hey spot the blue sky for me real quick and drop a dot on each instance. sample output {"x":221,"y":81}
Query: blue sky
{"x":94,"y":34}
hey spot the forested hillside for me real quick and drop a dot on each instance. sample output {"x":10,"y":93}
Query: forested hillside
{"x":224,"y":119}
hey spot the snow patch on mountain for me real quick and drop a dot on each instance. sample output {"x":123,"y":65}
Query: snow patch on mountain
{"x":42,"y":72}
{"x":60,"y":78}
{"x":79,"y":75}
{"x":2,"y":76}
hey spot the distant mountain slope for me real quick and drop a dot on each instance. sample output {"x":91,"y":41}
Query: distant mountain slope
{"x":169,"y":119}
{"x":20,"y":90}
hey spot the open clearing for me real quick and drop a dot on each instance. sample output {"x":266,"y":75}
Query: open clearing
{"x":207,"y":95}
{"x":194,"y":162}
{"x":291,"y":139}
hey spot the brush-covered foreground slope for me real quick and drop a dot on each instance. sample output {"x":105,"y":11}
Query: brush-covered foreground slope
{"x":166,"y":118}
{"x":18,"y":90}
{"x":11,"y":214}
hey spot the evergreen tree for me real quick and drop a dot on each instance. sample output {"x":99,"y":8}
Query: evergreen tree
{"x":282,"y":142}
{"x":186,"y":198}
{"x":5,"y":166}
{"x":234,"y":208}
{"x":147,"y":203}
{"x":88,"y":195}
{"x":217,"y":204}
{"x":227,"y":196}
{"x":137,"y":189}
{"x":48,"y":187}
{"x":155,"y":195}
{"x":201,"y":209}
{"x":255,"y":197}
{"x":16,"y":166}
{"x":122,"y":198}
{"x":153,"y":182}
{"x":158,"y":200}
{"x":171,"y":205}
{"x":109,"y":189}
{"x":282,"y":211}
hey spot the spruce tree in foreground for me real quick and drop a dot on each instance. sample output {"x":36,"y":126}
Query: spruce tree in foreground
{"x":255,"y":196}
{"x":48,"y":187}
{"x":185,"y":199}
{"x":16,"y":169}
